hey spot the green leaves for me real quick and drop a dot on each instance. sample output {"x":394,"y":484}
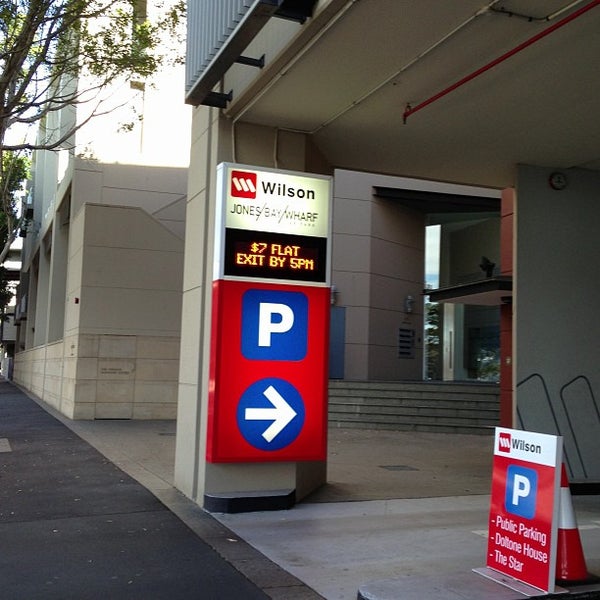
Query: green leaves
{"x":60,"y":53}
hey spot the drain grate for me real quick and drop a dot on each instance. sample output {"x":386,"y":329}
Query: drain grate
{"x":398,"y":468}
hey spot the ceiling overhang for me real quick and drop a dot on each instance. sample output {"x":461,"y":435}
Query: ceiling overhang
{"x":493,"y":291}
{"x":436,"y":202}
{"x":460,"y":92}
{"x":234,"y":43}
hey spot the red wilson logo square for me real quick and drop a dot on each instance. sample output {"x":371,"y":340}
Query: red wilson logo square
{"x":243,"y":184}
{"x":504,"y":442}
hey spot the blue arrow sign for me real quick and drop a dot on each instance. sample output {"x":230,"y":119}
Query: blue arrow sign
{"x":270,"y":414}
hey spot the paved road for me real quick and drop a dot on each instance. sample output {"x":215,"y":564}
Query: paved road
{"x":74,"y":526}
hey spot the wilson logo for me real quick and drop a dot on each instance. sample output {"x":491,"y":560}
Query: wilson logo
{"x":243,"y":184}
{"x":504,"y":442}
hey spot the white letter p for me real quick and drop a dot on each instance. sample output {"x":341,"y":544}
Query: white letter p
{"x":266,"y":324}
{"x":521,"y":488}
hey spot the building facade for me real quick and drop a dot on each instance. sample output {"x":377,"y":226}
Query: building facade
{"x":423,"y":91}
{"x":99,"y":303}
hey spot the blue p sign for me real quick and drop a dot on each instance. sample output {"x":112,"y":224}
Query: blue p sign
{"x":274,"y":325}
{"x":521,"y":491}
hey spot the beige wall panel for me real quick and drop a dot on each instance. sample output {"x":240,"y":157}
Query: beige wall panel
{"x":351,"y":215}
{"x":68,"y":392}
{"x":351,"y":253}
{"x":119,"y":369}
{"x":357,"y":325}
{"x":200,"y":121}
{"x":37,"y":384}
{"x":310,"y":476}
{"x":191,"y":329}
{"x":74,"y":270}
{"x":389,"y":294}
{"x":290,"y":153}
{"x":76,"y":233}
{"x":391,"y":221}
{"x":87,"y":187}
{"x":154,"y":411}
{"x":124,"y":227}
{"x":87,"y":368}
{"x":398,"y":261}
{"x":55,"y":350}
{"x":52,"y":392}
{"x":143,"y":177}
{"x":89,"y":345}
{"x":53,"y":367}
{"x":117,"y":346}
{"x":198,"y":173}
{"x":155,"y":392}
{"x":255,"y":144}
{"x":81,"y":411}
{"x":158,"y":347}
{"x":173,"y":217}
{"x":194,"y":244}
{"x":189,"y":437}
{"x":157,"y":370}
{"x":352,"y":184}
{"x":137,"y":312}
{"x":147,"y":200}
{"x":114,"y":391}
{"x":132,"y":268}
{"x":353,"y":288}
{"x":385,"y":365}
{"x":356,"y":362}
{"x":84,"y":392}
{"x":384,"y":324}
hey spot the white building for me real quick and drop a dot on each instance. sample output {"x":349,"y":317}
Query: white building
{"x":99,"y":306}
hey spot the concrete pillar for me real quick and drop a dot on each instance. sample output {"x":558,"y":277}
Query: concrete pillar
{"x":58,"y":273}
{"x":40,"y":335}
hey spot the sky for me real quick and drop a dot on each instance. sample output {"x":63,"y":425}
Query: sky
{"x":432,"y":255}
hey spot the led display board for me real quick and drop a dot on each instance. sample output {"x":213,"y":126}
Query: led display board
{"x":275,"y":255}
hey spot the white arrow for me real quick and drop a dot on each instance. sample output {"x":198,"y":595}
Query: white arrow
{"x":281,"y":414}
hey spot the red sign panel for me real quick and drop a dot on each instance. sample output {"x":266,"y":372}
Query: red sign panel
{"x":268,"y":378}
{"x":524,"y":505}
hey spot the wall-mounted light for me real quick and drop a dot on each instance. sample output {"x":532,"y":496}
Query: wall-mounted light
{"x":409,"y":304}
{"x":334,"y":295}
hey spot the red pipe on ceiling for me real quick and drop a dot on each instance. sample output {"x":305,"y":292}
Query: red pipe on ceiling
{"x":532,"y":40}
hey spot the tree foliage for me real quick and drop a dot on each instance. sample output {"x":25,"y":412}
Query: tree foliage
{"x":58,"y":54}
{"x":432,"y":341}
{"x":14,"y":170}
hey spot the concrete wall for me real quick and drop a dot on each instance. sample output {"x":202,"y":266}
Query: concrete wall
{"x":118,"y":356}
{"x":557,"y":327}
{"x":378,"y":260}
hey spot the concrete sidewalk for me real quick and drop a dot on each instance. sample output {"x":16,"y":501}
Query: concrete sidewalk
{"x":404,"y":516}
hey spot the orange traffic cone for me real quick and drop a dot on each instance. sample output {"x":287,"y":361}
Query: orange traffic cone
{"x":570,"y":563}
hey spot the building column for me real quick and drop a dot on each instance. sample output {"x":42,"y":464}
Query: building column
{"x":213,"y":141}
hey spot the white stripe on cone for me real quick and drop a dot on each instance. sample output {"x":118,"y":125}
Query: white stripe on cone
{"x":570,"y":562}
